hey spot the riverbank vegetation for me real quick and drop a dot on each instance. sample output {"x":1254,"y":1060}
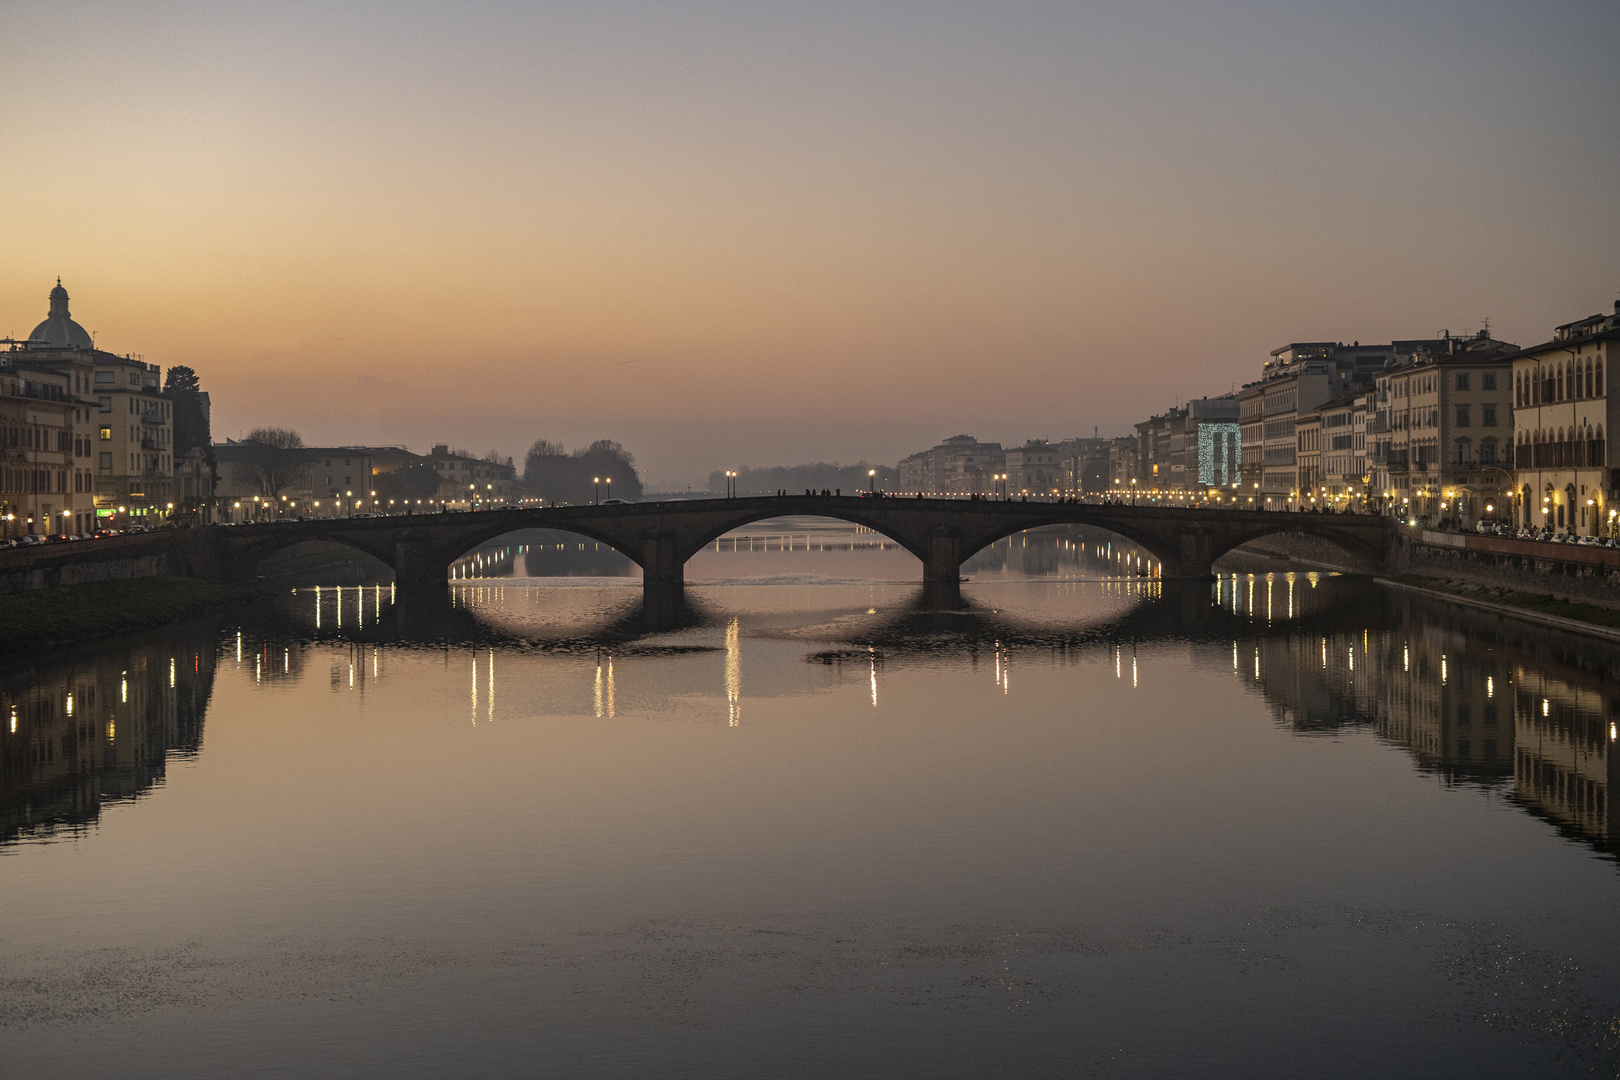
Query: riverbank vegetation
{"x":72,"y":613}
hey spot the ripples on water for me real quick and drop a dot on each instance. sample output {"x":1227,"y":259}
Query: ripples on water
{"x":1091,"y":824}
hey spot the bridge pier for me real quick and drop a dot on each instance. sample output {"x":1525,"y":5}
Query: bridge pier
{"x":415,"y":561}
{"x":1195,"y":553}
{"x":663,"y":581}
{"x":942,"y":569}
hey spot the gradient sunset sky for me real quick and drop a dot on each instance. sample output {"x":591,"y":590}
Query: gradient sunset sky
{"x":768,"y":233}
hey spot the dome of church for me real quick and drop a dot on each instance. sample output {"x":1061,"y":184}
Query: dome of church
{"x":59,"y":329}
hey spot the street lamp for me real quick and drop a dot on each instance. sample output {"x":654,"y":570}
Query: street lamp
{"x":608,"y":480}
{"x":871,"y":479}
{"x":597,"y":480}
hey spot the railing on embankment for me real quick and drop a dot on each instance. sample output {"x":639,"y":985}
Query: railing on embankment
{"x":1579,"y":570}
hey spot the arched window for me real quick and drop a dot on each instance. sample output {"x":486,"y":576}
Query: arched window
{"x":1589,"y":378}
{"x":1600,"y":456}
{"x":1597,"y":379}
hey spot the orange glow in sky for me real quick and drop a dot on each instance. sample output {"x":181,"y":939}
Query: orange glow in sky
{"x":751,"y":233}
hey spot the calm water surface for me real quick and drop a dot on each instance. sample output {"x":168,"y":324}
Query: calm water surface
{"x":1092,"y":825}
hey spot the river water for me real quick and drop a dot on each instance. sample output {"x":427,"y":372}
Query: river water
{"x":1094,"y":824}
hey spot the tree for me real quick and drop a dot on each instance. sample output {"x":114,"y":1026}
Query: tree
{"x":558,"y":476}
{"x":606,"y":458}
{"x":542,"y":448}
{"x":274,"y":455}
{"x":550,"y":473}
{"x":190,"y":416}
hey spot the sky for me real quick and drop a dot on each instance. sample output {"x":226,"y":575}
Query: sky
{"x":732,"y":234}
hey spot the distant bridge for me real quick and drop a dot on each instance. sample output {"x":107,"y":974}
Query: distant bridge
{"x":661,"y":536}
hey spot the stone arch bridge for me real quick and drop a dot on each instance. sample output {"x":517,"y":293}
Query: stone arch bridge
{"x":661,"y":536}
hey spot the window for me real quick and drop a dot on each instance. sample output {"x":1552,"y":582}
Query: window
{"x":134,"y":379}
{"x":1462,"y":416}
{"x":1462,"y":380}
{"x":104,"y":378}
{"x":106,"y":462}
{"x":1487,"y":380}
{"x":106,"y":432}
{"x":1488,"y":415}
{"x":1487,"y":451}
{"x":106,"y":404}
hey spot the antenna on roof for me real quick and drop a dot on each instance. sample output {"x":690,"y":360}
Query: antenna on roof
{"x":1486,"y":329}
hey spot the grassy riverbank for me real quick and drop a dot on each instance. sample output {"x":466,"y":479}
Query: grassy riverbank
{"x":72,"y":613}
{"x":1541,"y":603}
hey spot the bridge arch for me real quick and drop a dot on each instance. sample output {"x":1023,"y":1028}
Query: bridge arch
{"x":851,"y":514}
{"x":247,"y":560}
{"x":1320,"y":526}
{"x":1145,"y":539}
{"x":468,"y":542}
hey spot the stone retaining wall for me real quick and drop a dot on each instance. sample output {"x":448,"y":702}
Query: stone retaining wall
{"x":1590,"y":574}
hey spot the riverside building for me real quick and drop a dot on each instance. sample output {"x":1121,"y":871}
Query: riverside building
{"x":99,"y":432}
{"x":1567,"y":476}
{"x":1443,"y":429}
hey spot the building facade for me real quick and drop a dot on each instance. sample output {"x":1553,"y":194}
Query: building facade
{"x":111,"y":429}
{"x":959,"y":465}
{"x":468,"y":481}
{"x":1032,"y":469}
{"x":1344,"y":481}
{"x":1567,"y":474}
{"x":1444,"y":429}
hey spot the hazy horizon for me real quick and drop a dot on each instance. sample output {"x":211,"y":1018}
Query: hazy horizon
{"x":729,"y":234}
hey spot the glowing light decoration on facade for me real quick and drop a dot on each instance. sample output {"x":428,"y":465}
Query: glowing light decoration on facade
{"x":1220,"y":452}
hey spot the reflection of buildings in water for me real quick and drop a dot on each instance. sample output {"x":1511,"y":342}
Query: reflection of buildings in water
{"x":1477,"y":718}
{"x":1563,"y":762}
{"x":1416,"y":688}
{"x":97,"y":729}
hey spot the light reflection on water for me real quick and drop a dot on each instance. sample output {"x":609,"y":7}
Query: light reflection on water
{"x":821,"y":828}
